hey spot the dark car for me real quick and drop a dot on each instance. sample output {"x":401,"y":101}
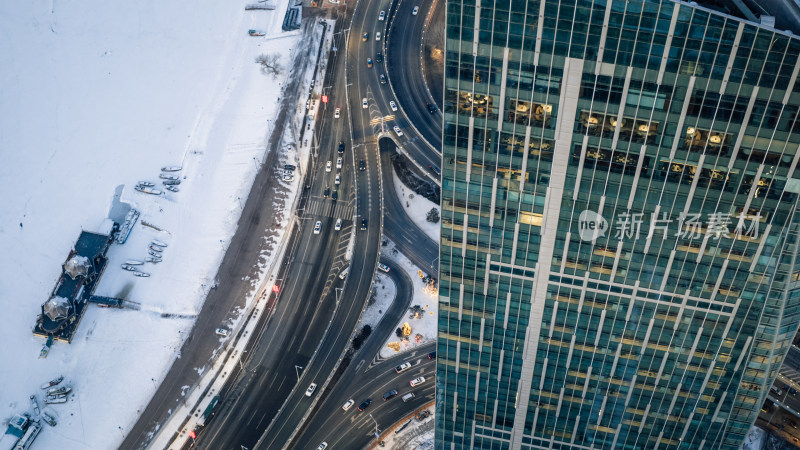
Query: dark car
{"x":289,"y":167}
{"x":362,"y":165}
{"x":390,"y":394}
{"x":383,"y":79}
{"x":431,"y":107}
{"x":363,"y":224}
{"x":379,"y":57}
{"x":435,"y":169}
{"x":364,"y":404}
{"x":335,"y":195}
{"x":341,"y":147}
{"x":432,"y":355}
{"x":326,"y":192}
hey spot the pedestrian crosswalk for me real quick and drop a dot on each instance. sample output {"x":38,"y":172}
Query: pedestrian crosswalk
{"x":329,"y":208}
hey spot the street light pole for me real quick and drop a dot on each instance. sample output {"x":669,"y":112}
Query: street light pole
{"x":297,"y":372}
{"x":377,"y":430}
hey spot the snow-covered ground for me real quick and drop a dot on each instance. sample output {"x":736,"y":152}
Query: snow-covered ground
{"x":96,"y":96}
{"x":385,"y":293}
{"x":417,"y":435}
{"x":755,"y":440}
{"x":426,"y":323}
{"x":417,"y":209}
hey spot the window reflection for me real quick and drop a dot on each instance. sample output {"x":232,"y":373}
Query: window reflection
{"x":604,"y":125}
{"x":712,"y":142}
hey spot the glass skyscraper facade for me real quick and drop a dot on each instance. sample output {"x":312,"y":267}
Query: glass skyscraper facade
{"x":619,"y":225}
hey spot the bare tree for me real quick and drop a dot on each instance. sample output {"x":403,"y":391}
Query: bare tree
{"x":270,"y":64}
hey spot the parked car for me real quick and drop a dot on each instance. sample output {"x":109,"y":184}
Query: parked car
{"x":364,"y":404}
{"x":222,"y":332}
{"x":383,"y":267}
{"x":312,"y":387}
{"x":418,"y":380}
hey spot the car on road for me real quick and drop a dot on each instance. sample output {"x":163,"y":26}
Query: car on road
{"x":393,"y":105}
{"x":390,"y":394}
{"x":413,"y":12}
{"x":322,"y":446}
{"x":382,"y":15}
{"x":434,"y":169}
{"x":408,"y":397}
{"x":364,"y":37}
{"x":397,"y":130}
{"x":338,"y":225}
{"x":222,"y":332}
{"x":328,"y":166}
{"x":418,"y":380}
{"x":402,"y":367}
{"x":317,"y":227}
{"x":790,"y":389}
{"x":341,"y":146}
{"x":383,"y":267}
{"x":335,"y":195}
{"x":383,"y":79}
{"x":369,"y":62}
{"x":362,"y":165}
{"x":336,"y":113}
{"x":431,"y":107}
{"x":363,"y":224}
{"x":338,"y":179}
{"x":379,"y":57}
{"x":326,"y":192}
{"x":348,"y":404}
{"x":378,"y":36}
{"x":312,"y":387}
{"x":287,"y":176}
{"x":339,"y":162}
{"x":364,"y":103}
{"x":432,"y":355}
{"x":364,"y":404}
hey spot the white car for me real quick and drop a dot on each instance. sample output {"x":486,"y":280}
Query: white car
{"x":383,"y":267}
{"x":328,"y":166}
{"x":287,"y":177}
{"x":317,"y":229}
{"x":313,"y":386}
{"x":348,"y":404}
{"x":414,"y":382}
{"x":322,"y":446}
{"x":382,"y":15}
{"x":393,"y":105}
{"x":339,"y":163}
{"x":364,"y":103}
{"x":336,"y":113}
{"x":402,"y":367}
{"x":397,"y":130}
{"x":222,"y":332}
{"x":415,"y":11}
{"x":338,"y":225}
{"x":338,"y":179}
{"x":378,"y":36}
